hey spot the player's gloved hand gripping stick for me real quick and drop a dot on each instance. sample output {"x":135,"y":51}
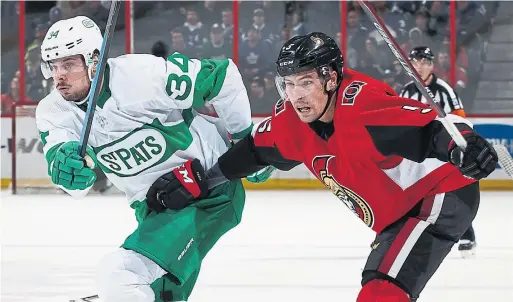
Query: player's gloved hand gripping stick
{"x":70,"y":170}
{"x":473,"y":155}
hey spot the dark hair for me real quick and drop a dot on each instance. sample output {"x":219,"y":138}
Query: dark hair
{"x":178,"y":30}
{"x":160,"y":49}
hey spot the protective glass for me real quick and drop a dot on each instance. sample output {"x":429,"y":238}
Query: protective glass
{"x":71,"y":69}
{"x":300,"y":85}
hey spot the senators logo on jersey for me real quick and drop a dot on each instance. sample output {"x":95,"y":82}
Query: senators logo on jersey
{"x":279,"y":107}
{"x":354,"y":202}
{"x":351,"y":92}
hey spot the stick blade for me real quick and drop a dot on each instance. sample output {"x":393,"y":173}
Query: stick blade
{"x":93,"y":298}
{"x":505,"y":159}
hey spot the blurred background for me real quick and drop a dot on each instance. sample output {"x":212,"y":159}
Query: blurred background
{"x":467,"y":37}
{"x":472,"y":42}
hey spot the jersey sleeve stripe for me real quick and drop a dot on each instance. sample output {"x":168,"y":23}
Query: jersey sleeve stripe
{"x":243,"y":133}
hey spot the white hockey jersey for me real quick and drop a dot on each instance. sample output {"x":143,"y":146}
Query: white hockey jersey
{"x":148,"y":119}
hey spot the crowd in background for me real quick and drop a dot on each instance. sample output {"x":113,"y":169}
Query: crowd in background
{"x":204,"y":29}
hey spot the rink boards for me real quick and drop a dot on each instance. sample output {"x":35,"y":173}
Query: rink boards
{"x":31,"y":166}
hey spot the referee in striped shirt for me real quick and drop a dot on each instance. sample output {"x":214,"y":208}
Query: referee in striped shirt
{"x":422,"y":59}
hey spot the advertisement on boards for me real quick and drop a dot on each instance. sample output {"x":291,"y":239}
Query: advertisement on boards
{"x":32,"y":168}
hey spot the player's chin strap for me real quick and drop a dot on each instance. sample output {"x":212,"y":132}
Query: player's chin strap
{"x":90,"y":75}
{"x":330,"y":96}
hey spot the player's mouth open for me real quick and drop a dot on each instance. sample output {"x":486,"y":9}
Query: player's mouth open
{"x":303,"y":109}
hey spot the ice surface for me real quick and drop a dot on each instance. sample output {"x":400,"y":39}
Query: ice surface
{"x":291,"y":246}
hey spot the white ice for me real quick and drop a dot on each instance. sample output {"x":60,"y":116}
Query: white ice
{"x":291,"y":246}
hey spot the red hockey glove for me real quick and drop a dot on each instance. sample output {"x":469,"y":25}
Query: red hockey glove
{"x":479,"y":158}
{"x":179,"y":188}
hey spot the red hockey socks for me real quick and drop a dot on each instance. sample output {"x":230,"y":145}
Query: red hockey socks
{"x":379,"y":290}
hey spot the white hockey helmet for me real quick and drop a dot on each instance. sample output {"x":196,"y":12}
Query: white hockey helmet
{"x":74,"y":36}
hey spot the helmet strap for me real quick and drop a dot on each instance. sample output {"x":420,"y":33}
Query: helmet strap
{"x":330,"y":94}
{"x":90,"y":72}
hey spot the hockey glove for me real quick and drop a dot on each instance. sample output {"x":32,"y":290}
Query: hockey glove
{"x":178,"y":188}
{"x":70,"y":170}
{"x":261,"y":176}
{"x":479,"y":158}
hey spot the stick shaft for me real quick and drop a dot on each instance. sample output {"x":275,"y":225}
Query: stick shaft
{"x":398,"y":53}
{"x":95,"y":86}
{"x":505,"y":159}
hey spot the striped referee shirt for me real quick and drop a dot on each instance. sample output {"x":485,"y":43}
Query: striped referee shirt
{"x":445,"y":96}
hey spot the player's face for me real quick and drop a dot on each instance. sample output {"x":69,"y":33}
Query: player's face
{"x":424,"y":68}
{"x":305,"y":91}
{"x":70,"y":76}
{"x":227,"y":18}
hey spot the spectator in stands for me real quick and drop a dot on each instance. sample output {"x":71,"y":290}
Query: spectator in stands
{"x":160,"y":49}
{"x":338,"y":40}
{"x":356,"y":32}
{"x":351,"y":59}
{"x":257,"y":92}
{"x":439,"y":16}
{"x":298,"y":27}
{"x":471,"y":15}
{"x":351,"y":56}
{"x":406,"y":7}
{"x":390,"y":80}
{"x":55,"y":14}
{"x":462,"y":59}
{"x":419,"y":34}
{"x":394,"y":22}
{"x":319,"y":16}
{"x":227,"y":24}
{"x":266,"y":33}
{"x":36,"y":85}
{"x":12,"y":96}
{"x":274,"y":14}
{"x":216,"y":47}
{"x":429,"y":35}
{"x":33,"y":50}
{"x":255,"y":56}
{"x":178,"y":44}
{"x":443,"y":70}
{"x":210,"y":13}
{"x":70,"y":9}
{"x":246,"y":13}
{"x":260,"y":100}
{"x":98,"y":11}
{"x":285,"y":35}
{"x":415,"y":37}
{"x":270,"y":87}
{"x":195,"y":33}
{"x":372,"y":61}
{"x":399,"y":74}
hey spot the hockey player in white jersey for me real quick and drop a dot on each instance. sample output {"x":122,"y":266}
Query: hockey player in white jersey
{"x":147,"y":123}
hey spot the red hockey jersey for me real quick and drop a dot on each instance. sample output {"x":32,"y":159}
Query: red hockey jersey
{"x":379,"y":161}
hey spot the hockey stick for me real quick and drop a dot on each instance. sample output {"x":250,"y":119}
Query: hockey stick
{"x":505,"y":159}
{"x":93,"y":97}
{"x":86,"y":299}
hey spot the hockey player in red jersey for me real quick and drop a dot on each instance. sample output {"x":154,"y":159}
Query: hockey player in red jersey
{"x":389,"y":159}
